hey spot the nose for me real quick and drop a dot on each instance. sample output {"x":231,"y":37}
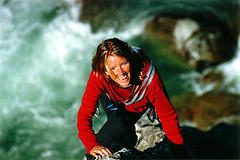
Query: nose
{"x":120,"y":71}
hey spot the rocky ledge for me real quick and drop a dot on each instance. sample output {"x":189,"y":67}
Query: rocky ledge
{"x":221,"y":142}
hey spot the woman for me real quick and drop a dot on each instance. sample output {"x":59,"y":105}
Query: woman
{"x":126,"y":83}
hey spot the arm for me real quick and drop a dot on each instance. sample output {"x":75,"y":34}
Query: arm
{"x":165,"y":111}
{"x":169,"y":119}
{"x":86,"y":112}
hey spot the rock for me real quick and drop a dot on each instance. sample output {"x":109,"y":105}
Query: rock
{"x":149,"y":133}
{"x":207,"y":109}
{"x":102,"y":14}
{"x":202,"y":37}
{"x":202,"y":46}
{"x":220,"y":142}
{"x":195,"y":45}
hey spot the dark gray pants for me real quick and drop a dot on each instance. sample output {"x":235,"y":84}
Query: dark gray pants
{"x":119,"y":129}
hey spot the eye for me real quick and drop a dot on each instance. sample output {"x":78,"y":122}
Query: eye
{"x":124,"y":64}
{"x":113,"y":69}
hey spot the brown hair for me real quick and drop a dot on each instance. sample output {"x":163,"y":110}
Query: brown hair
{"x":115,"y":46}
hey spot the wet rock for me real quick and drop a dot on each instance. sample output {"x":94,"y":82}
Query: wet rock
{"x":102,"y":14}
{"x":220,"y":142}
{"x":202,"y":46}
{"x":202,"y":37}
{"x":196,"y":45}
{"x":207,"y":109}
{"x":212,"y":76}
{"x":148,"y":133}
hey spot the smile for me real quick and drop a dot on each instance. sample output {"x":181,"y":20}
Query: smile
{"x":124,"y":77}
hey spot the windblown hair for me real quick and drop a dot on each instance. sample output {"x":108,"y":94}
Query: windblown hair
{"x":115,"y":46}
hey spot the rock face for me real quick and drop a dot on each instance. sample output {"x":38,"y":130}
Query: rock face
{"x":201,"y":46}
{"x":207,"y":109}
{"x":202,"y":37}
{"x":149,"y":133}
{"x":98,"y":13}
{"x":217,"y":142}
{"x":221,"y":142}
{"x":198,"y":46}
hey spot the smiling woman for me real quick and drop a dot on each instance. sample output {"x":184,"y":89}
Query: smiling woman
{"x":118,"y":69}
{"x":127,"y":85}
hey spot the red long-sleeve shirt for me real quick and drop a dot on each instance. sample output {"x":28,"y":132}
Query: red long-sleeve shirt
{"x":152,"y":93}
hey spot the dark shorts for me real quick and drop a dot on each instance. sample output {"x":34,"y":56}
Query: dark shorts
{"x":119,"y":129}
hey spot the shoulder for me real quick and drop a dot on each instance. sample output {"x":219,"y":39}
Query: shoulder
{"x":153,"y":74}
{"x":147,"y":64}
{"x":92,"y":79}
{"x":97,"y":79}
{"x":96,"y":76}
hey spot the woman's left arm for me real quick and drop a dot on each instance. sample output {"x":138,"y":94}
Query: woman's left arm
{"x":165,"y":111}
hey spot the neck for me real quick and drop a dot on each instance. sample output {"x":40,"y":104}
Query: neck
{"x":125,"y":86}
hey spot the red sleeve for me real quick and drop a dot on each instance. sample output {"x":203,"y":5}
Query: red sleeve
{"x":87,"y":111}
{"x":165,"y":111}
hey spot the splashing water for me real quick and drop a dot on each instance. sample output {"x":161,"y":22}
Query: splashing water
{"x":231,"y":74}
{"x":43,"y":69}
{"x":44,"y":65}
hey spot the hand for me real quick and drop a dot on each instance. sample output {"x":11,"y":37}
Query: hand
{"x":100,"y":150}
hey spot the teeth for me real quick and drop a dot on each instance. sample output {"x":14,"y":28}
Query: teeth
{"x":123,"y":77}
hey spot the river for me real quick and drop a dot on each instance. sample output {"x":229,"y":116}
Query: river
{"x":45,"y":60}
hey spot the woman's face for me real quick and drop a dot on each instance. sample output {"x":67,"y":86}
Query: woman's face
{"x":118,"y":68}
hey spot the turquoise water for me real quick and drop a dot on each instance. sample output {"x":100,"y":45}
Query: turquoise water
{"x":45,"y":60}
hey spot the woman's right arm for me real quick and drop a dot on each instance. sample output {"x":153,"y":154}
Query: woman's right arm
{"x":87,"y":111}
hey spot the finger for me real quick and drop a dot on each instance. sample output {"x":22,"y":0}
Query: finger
{"x":105,"y":151}
{"x":109,"y":152}
{"x":100,"y":152}
{"x":94,"y":154}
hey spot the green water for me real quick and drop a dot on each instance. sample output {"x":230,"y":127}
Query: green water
{"x":45,"y":59}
